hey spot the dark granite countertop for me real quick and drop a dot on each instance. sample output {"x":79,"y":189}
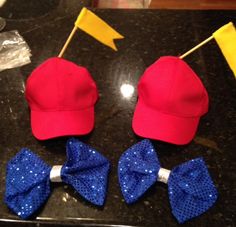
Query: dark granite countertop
{"x":149,"y":35}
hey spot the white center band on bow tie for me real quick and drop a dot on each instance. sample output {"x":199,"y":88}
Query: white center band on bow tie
{"x":55,"y":174}
{"x":163,"y":175}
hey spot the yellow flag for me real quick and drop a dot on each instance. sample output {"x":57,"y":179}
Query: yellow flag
{"x":226,"y":39}
{"x":96,"y":27}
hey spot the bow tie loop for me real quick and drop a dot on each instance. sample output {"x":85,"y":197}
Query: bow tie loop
{"x":55,"y":173}
{"x":163,"y":175}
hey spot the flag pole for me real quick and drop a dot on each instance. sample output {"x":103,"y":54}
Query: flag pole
{"x":196,"y":47}
{"x":67,"y":42}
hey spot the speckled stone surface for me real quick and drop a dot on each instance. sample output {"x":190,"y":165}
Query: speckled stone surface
{"x":149,"y":35}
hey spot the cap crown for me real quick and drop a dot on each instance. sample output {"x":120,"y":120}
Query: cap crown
{"x":60,"y":85}
{"x":170,"y":86}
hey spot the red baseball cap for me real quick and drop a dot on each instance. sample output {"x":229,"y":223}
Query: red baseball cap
{"x":171,"y":101}
{"x":61,"y":96}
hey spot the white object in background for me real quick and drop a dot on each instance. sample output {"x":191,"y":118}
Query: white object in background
{"x":2,"y":23}
{"x":147,"y":3}
{"x":2,"y":2}
{"x":138,"y":4}
{"x":14,"y":51}
{"x":2,"y":20}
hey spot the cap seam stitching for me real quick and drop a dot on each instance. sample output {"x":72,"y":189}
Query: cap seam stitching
{"x":202,"y":99}
{"x":58,"y":86}
{"x":199,"y":81}
{"x":174,"y":78}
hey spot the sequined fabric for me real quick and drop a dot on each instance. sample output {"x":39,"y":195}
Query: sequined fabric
{"x":28,"y":181}
{"x":190,"y":188}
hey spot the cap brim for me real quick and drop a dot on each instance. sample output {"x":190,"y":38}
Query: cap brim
{"x":152,"y":124}
{"x":47,"y":125}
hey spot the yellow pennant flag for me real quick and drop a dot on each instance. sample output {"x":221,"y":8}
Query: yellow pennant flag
{"x":96,"y":27}
{"x":226,"y":39}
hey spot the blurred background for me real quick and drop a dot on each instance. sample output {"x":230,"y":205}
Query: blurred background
{"x":166,"y":4}
{"x":16,"y":9}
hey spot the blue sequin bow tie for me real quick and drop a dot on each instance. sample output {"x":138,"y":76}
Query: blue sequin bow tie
{"x":190,"y":188}
{"x":28,"y":177}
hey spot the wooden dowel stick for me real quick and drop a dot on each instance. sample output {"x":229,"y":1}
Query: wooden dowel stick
{"x":196,"y":47}
{"x":67,"y":42}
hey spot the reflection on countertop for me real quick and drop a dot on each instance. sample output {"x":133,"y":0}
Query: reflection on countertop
{"x":149,"y":34}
